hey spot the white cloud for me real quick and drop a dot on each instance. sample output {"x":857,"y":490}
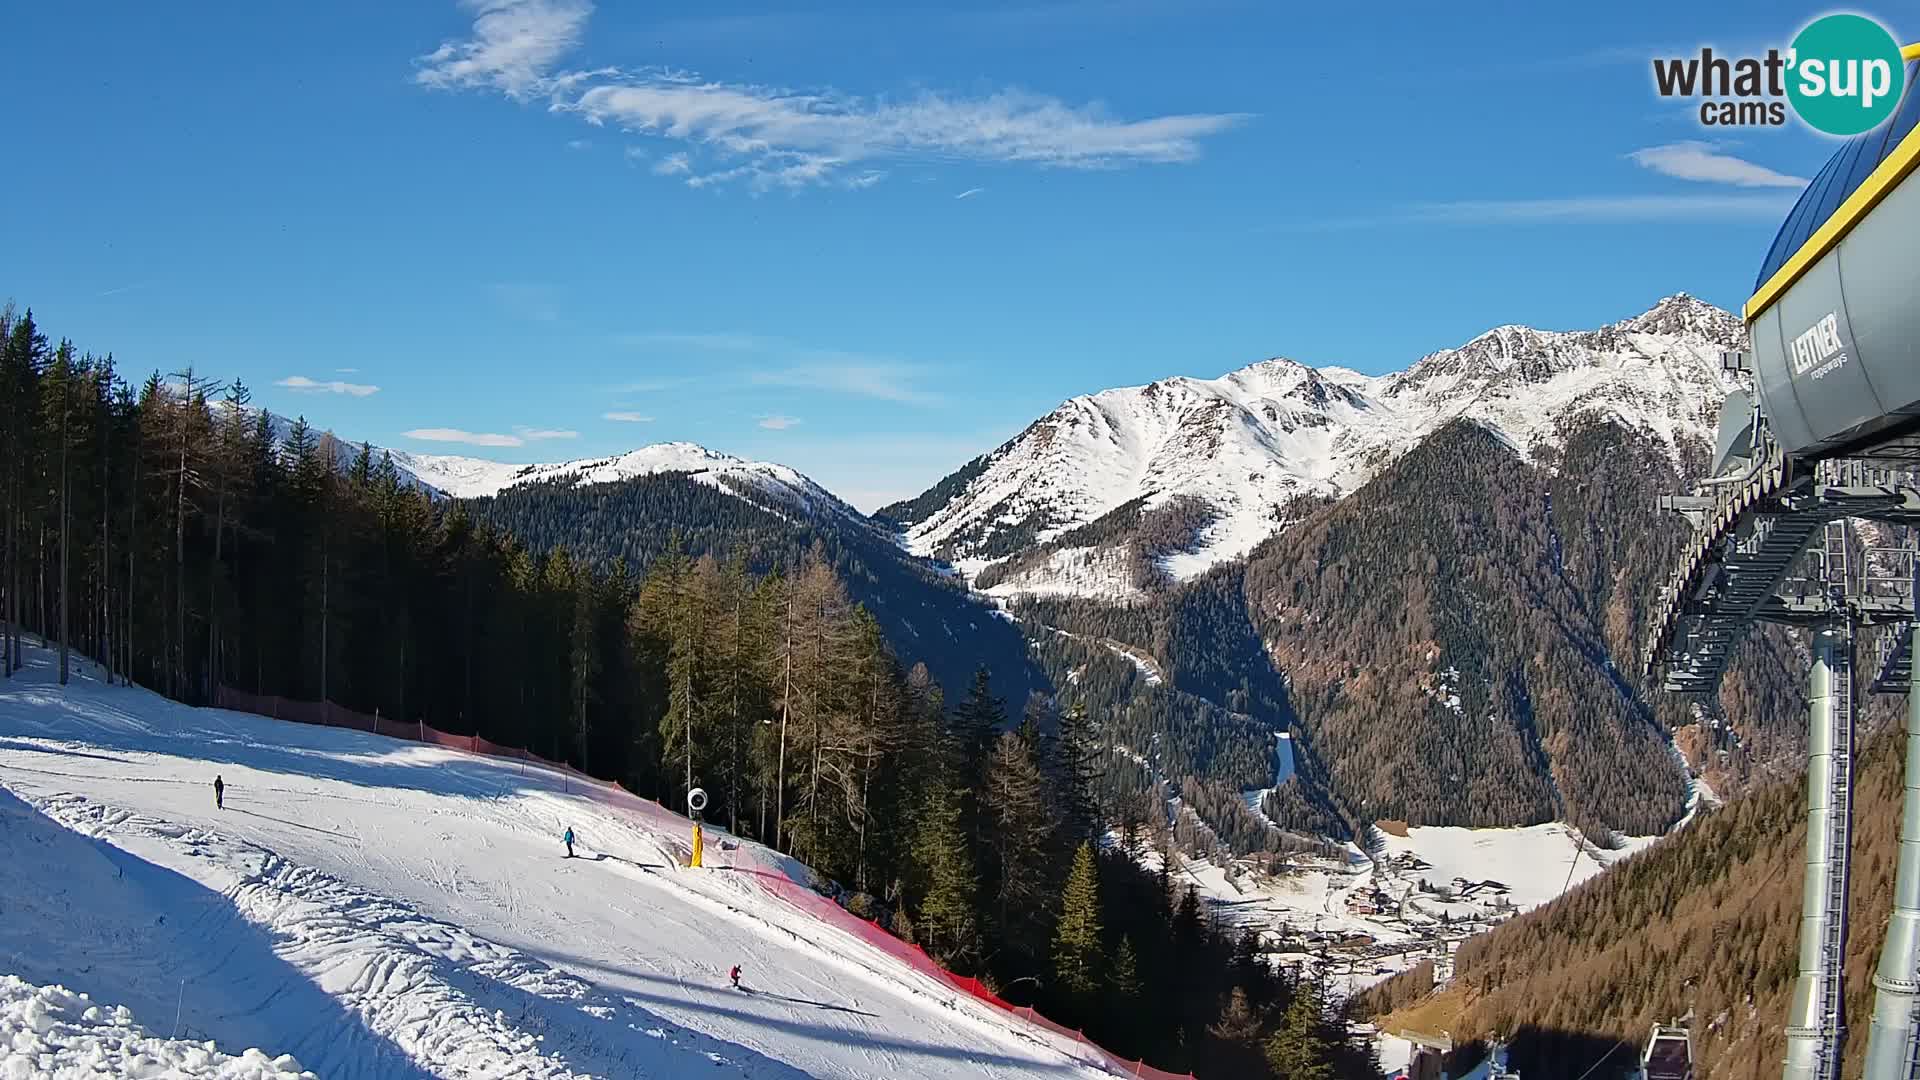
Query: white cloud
{"x":777,"y":422}
{"x":627,"y":417}
{"x":471,"y":438}
{"x":771,"y":137}
{"x":673,"y":165}
{"x":520,"y":437}
{"x":785,"y":138}
{"x":579,"y":144}
{"x":1579,"y":210}
{"x":1609,"y":210}
{"x":303,"y":385}
{"x":346,"y":371}
{"x":884,"y":380}
{"x":970,"y":193}
{"x":1693,"y":160}
{"x":514,"y":44}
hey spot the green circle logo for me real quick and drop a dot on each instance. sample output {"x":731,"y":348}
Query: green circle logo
{"x":1846,"y":74}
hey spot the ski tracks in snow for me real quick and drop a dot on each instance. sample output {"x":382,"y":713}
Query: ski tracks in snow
{"x":449,"y":999}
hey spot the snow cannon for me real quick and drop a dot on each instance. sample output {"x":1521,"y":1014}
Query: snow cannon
{"x":1835,"y":331}
{"x":696,"y":802}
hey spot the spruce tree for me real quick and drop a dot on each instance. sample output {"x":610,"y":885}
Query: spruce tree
{"x":947,"y":918}
{"x":1019,"y":835}
{"x":1298,"y":1050}
{"x":1077,"y":952}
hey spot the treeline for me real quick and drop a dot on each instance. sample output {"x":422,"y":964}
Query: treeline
{"x":175,"y":537}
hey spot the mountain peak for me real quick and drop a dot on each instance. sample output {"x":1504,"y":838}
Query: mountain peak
{"x":1250,"y":443}
{"x":1683,"y":315}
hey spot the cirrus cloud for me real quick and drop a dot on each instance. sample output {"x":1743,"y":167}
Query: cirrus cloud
{"x":300,"y":384}
{"x":627,"y":418}
{"x":520,"y":436}
{"x":776,"y":422}
{"x":770,"y":136}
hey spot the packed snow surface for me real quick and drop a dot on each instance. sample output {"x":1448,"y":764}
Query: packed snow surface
{"x":1249,"y":442}
{"x":377,"y":908}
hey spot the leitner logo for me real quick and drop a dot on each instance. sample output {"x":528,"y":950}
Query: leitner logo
{"x":1843,"y":75}
{"x":1819,"y":347}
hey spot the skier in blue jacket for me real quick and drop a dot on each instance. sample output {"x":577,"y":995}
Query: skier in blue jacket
{"x":568,"y":840}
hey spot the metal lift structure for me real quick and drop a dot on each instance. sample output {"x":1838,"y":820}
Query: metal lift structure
{"x":1781,"y":536}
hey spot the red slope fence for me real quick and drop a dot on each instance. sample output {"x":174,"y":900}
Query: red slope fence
{"x":796,"y":894}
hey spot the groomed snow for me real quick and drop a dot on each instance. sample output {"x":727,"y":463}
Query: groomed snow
{"x":378,"y":908}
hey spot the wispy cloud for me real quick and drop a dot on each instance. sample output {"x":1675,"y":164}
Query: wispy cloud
{"x":627,"y":417}
{"x":541,"y":303}
{"x":884,"y":380}
{"x":122,"y":289}
{"x":777,"y":422}
{"x":776,"y":137}
{"x":1702,"y":161}
{"x":651,"y":386}
{"x":470,"y":438}
{"x":970,"y":193}
{"x":579,"y":144}
{"x":1580,"y":210}
{"x":303,"y":385}
{"x":719,"y":341}
{"x":513,"y":46}
{"x":798,"y":366}
{"x":346,"y":371}
{"x":520,"y":436}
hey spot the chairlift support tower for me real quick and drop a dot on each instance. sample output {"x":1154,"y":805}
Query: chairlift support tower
{"x":1833,"y":437}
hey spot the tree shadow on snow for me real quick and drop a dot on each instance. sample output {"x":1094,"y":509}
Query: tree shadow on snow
{"x":623,"y":984}
{"x":98,"y":919}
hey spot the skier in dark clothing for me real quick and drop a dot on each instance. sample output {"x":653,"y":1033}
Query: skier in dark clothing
{"x":568,"y":840}
{"x":219,"y":793}
{"x":735,"y":976}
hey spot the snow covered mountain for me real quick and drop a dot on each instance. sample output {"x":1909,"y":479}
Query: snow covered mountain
{"x":771,"y":486}
{"x":1235,"y":452}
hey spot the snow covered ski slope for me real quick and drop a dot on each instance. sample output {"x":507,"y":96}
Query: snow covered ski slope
{"x":367,"y":907}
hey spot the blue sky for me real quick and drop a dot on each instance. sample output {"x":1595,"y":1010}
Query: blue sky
{"x":866,"y":240}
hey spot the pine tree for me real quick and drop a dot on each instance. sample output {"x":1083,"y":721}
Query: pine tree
{"x":1020,"y":831}
{"x":1298,"y":1050}
{"x":948,"y":921}
{"x":1077,"y":952}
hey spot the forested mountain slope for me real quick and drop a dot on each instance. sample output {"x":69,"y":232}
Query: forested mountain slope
{"x":927,"y":618}
{"x":1707,"y":921}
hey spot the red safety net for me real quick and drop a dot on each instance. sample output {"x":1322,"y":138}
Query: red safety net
{"x":773,"y":881}
{"x":912,"y":956}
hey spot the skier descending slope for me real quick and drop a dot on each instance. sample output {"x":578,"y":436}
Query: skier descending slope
{"x":219,"y":793}
{"x":735,"y":976}
{"x":568,"y":840}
